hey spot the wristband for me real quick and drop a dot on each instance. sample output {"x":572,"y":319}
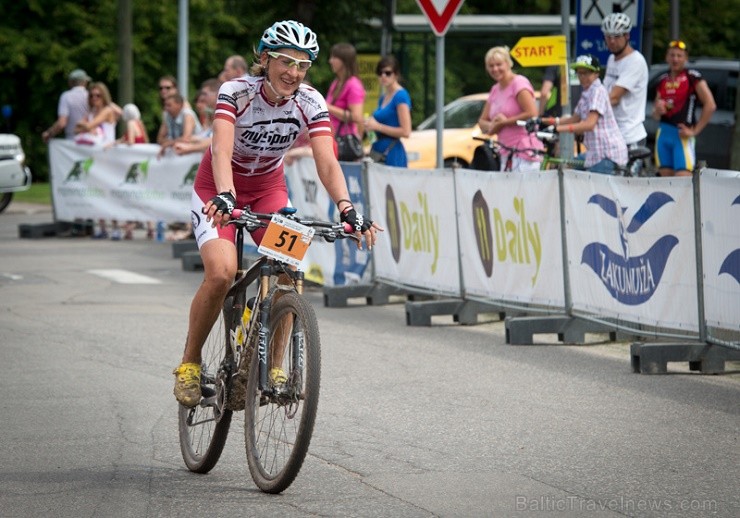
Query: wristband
{"x":557,"y":121}
{"x":340,"y":201}
{"x":570,"y":128}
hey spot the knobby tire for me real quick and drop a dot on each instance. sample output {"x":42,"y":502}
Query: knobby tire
{"x":276,"y":444}
{"x":201,"y":444}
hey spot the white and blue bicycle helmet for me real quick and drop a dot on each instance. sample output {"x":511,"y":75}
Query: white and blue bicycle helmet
{"x":292,"y":35}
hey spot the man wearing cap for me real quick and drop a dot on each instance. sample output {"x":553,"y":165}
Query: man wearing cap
{"x":73,"y":106}
{"x":675,"y":105}
{"x":626,"y":79}
{"x":594,"y":118}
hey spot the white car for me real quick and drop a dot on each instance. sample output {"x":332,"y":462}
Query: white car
{"x":14,"y":175}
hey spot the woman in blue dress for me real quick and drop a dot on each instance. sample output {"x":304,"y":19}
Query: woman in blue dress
{"x":392,"y":120}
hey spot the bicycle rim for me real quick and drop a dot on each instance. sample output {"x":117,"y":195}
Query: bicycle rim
{"x":204,"y":428}
{"x":278,"y":426}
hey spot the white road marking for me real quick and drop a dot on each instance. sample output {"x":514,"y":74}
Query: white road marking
{"x":125,"y":277}
{"x":12,"y":276}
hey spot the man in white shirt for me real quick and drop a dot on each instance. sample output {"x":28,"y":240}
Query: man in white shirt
{"x":626,"y":79}
{"x":73,"y":106}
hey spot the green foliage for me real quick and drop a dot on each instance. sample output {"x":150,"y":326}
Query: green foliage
{"x":43,"y":40}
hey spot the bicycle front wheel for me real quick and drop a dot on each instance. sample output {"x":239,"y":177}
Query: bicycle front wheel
{"x":204,"y":428}
{"x":279,"y":420}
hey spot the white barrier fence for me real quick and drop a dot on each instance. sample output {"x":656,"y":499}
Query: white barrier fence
{"x":133,"y":183}
{"x":631,"y":244}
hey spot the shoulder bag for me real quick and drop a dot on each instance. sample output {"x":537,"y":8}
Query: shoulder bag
{"x":349,"y":146}
{"x":380,"y":157}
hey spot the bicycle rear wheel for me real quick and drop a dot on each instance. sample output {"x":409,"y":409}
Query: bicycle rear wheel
{"x":204,"y":428}
{"x":279,"y":421}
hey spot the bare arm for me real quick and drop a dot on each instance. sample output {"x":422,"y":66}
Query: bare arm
{"x":401,"y":131}
{"x":545,"y":92}
{"x":55,"y":128}
{"x":616,"y":94}
{"x":708,"y":106}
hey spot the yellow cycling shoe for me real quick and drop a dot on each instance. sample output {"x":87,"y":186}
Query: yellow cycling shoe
{"x":277,"y":376}
{"x":187,"y":384}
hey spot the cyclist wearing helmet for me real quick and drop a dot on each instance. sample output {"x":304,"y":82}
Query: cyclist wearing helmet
{"x":257,"y":119}
{"x":626,"y":79}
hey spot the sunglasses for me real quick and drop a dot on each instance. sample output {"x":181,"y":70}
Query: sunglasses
{"x":386,"y":73}
{"x":290,"y":61}
{"x":677,"y":44}
{"x":93,"y":95}
{"x":165,"y":87}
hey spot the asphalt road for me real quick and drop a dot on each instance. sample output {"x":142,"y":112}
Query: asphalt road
{"x":413,"y":421}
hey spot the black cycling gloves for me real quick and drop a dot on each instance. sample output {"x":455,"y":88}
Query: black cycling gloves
{"x":224,"y":202}
{"x":357,"y":221}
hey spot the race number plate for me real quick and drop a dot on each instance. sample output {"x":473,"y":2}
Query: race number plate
{"x":286,"y":240}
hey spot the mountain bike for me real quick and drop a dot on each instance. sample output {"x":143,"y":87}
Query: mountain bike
{"x":487,"y":156}
{"x":635,"y":155}
{"x":274,"y":331}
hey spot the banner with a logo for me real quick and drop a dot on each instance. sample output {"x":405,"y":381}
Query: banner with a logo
{"x":510,"y":237}
{"x":121,"y":182}
{"x":631,"y":249}
{"x":720,"y":215}
{"x":330,"y":264}
{"x":419,"y":246}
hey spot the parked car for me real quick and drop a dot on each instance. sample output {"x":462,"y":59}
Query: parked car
{"x":14,"y":175}
{"x":461,"y":125}
{"x":714,"y":144}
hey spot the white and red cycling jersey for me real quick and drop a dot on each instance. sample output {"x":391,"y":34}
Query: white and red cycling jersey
{"x":264,"y":131}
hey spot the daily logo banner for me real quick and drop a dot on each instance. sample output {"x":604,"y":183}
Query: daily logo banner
{"x":510,"y":239}
{"x":631,"y":249}
{"x":419,"y":246}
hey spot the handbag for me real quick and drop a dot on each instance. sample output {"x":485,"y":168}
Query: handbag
{"x":380,"y":157}
{"x":349,"y":147}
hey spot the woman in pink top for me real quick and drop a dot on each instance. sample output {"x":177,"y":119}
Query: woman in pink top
{"x":346,"y":95}
{"x":511,"y":99}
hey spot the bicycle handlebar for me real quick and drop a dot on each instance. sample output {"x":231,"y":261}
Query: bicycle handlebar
{"x":532,"y":126}
{"x":328,"y":230}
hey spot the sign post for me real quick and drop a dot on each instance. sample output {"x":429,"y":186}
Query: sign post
{"x":440,"y":14}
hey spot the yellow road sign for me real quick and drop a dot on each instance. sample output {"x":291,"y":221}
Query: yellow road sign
{"x":540,"y":51}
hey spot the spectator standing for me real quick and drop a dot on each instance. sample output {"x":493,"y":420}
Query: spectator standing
{"x":179,"y":125}
{"x":346,"y":96}
{"x":73,"y":106}
{"x":99,"y":128}
{"x":206,"y":108}
{"x":675,"y":106}
{"x":626,"y":79}
{"x":234,"y":67}
{"x":511,"y":99}
{"x":391,"y":121}
{"x":550,"y":96}
{"x":593,"y":116}
{"x":134,"y":131}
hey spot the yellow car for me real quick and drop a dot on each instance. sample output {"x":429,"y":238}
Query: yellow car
{"x":460,"y":126}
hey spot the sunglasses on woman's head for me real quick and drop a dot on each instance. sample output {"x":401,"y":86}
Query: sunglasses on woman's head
{"x":677,"y":44}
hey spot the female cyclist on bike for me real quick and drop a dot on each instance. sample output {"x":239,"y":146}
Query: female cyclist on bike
{"x":257,"y":119}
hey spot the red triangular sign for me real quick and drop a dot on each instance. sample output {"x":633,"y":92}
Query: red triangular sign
{"x":440,"y":13}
